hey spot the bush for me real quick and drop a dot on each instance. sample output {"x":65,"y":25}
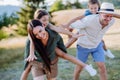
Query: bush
{"x":3,"y":35}
{"x":22,"y":32}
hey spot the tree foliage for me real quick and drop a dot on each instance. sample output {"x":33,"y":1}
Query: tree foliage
{"x":77,"y":4}
{"x":58,"y":5}
{"x":6,"y":20}
{"x":26,"y":14}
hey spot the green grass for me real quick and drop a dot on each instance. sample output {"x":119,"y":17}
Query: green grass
{"x":11,"y":67}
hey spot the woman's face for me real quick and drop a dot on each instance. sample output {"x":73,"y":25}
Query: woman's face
{"x":38,"y":31}
{"x":44,"y":20}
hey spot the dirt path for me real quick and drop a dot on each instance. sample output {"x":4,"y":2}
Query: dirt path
{"x":13,"y":42}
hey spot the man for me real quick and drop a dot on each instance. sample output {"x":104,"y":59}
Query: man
{"x":94,"y":28}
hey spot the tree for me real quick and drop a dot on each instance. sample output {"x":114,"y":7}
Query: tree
{"x":68,"y":5}
{"x":26,"y":14}
{"x":5,"y":20}
{"x":77,"y":4}
{"x":58,"y":5}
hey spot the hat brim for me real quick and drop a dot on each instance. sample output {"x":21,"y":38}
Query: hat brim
{"x":108,"y":12}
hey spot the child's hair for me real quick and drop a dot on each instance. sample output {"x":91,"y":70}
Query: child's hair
{"x":39,"y":47}
{"x":40,"y":13}
{"x":94,"y":2}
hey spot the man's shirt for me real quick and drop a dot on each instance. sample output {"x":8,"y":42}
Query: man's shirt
{"x":91,"y":27}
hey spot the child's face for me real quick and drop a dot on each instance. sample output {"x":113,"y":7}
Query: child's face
{"x":93,"y":8}
{"x":44,"y":20}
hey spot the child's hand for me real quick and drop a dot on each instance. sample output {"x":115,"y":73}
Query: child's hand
{"x":31,"y":57}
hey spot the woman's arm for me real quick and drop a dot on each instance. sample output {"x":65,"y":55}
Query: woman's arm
{"x":31,"y":56}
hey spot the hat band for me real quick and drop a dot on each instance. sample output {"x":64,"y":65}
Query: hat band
{"x":108,"y":10}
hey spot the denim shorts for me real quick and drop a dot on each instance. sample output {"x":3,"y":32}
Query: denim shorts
{"x":97,"y":53}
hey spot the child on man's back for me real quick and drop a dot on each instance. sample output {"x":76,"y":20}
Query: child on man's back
{"x":93,"y":8}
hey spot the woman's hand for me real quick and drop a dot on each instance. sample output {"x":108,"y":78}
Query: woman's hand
{"x":31,"y":57}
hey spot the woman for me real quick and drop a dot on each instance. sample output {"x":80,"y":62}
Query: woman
{"x":46,"y":61}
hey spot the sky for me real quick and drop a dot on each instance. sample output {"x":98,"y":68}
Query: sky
{"x":10,"y":2}
{"x":18,"y":2}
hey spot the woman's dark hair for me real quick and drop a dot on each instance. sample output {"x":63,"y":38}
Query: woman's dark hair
{"x":40,"y":13}
{"x":94,"y":2}
{"x":39,"y":47}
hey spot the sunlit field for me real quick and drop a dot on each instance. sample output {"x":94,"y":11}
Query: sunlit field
{"x":12,"y":54}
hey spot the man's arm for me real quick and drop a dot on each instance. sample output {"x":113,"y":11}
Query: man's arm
{"x":70,"y":58}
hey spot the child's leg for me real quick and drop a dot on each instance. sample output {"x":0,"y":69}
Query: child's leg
{"x":104,"y":46}
{"x":108,"y":53}
{"x":26,"y":73}
{"x":70,"y":42}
